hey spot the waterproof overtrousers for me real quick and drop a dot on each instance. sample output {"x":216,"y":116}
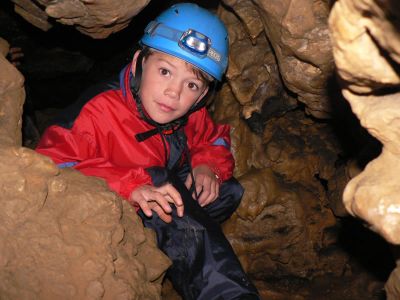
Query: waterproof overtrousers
{"x":204,"y":266}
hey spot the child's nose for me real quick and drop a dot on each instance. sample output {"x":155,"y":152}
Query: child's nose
{"x":173,"y":89}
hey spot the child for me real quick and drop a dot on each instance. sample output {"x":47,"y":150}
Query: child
{"x":150,"y":137}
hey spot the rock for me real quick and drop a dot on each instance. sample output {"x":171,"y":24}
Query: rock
{"x":64,"y":235}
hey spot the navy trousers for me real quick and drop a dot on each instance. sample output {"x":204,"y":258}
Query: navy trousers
{"x":204,"y":266}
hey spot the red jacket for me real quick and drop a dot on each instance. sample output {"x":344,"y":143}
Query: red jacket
{"x":102,"y":143}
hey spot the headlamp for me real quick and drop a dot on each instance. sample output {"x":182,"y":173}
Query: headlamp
{"x":195,"y":42}
{"x":190,"y":40}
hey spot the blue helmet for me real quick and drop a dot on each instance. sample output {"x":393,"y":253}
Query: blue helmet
{"x":192,"y":33}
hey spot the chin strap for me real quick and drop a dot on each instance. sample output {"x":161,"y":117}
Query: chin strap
{"x":135,"y":87}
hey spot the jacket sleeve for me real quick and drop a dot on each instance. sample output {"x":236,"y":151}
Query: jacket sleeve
{"x":209,"y":144}
{"x":78,"y":148}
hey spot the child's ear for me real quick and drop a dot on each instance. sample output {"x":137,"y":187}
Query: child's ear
{"x":135,"y":57}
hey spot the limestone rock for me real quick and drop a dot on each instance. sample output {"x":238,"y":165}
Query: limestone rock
{"x":64,"y":235}
{"x":366,"y":40}
{"x":373,"y":194}
{"x":96,"y":18}
{"x":4,"y":47}
{"x":392,"y":286}
{"x":366,"y":43}
{"x":298,"y":33}
{"x":282,"y":225}
{"x":252,"y":80}
{"x":276,"y":230}
{"x":12,"y":95}
{"x":364,"y":67}
{"x":246,"y":145}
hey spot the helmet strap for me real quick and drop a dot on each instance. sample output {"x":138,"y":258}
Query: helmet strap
{"x":135,"y":82}
{"x":203,"y":102}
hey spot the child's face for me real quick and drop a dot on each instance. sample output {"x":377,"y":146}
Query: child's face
{"x":169,"y":87}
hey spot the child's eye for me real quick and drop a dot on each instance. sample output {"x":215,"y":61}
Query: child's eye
{"x":193,"y":86}
{"x":164,"y":72}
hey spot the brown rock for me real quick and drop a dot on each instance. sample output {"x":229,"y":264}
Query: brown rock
{"x":298,"y":33}
{"x":282,"y":225}
{"x":97,"y":19}
{"x":366,"y":43}
{"x":392,"y":286}
{"x":372,"y":194}
{"x":252,"y":80}
{"x":64,"y":235}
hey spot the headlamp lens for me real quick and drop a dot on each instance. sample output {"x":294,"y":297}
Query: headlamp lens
{"x":195,"y":42}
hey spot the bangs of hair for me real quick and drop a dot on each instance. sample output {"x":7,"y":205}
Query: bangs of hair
{"x":201,"y":74}
{"x":196,"y":71}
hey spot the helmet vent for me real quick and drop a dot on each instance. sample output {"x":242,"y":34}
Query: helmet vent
{"x":177,"y":11}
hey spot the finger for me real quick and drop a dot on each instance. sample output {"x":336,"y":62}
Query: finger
{"x":175,"y":198}
{"x":179,"y":209}
{"x":167,"y":218}
{"x":174,"y":194}
{"x":162,"y":201}
{"x":203,"y":197}
{"x":144,"y":206}
{"x":216,"y":189}
{"x":188,"y":182}
{"x":206,"y":191}
{"x":200,"y":186}
{"x":213,"y":194}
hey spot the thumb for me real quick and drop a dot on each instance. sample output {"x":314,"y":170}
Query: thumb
{"x":188,"y":182}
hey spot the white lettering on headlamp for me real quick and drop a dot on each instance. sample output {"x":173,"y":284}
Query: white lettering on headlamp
{"x":214,"y":55}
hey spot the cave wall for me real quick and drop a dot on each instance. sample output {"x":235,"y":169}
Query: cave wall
{"x":366,"y":47}
{"x":64,"y":235}
{"x":298,"y":34}
{"x":98,"y":18}
{"x":284,"y":222}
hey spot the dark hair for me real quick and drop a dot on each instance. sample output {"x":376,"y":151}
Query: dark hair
{"x":196,"y":71}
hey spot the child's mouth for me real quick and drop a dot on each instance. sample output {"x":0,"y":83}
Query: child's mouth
{"x":165,"y":108}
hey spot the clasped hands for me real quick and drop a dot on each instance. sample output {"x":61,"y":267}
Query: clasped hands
{"x":159,"y":199}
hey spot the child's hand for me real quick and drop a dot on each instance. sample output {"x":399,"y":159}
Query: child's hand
{"x":158,"y":199}
{"x":207,"y":185}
